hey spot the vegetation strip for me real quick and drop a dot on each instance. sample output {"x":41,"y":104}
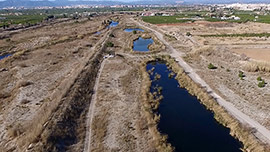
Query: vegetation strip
{"x":238,"y":35}
{"x":241,"y":132}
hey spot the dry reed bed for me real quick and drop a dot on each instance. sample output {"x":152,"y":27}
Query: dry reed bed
{"x":255,"y":66}
{"x":242,"y":132}
{"x":159,"y":140}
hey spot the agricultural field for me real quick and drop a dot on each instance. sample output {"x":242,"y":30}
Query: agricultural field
{"x":193,"y":16}
{"x":165,"y":19}
{"x":20,"y":19}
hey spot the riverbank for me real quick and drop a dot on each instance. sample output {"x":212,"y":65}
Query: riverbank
{"x":149,"y":105}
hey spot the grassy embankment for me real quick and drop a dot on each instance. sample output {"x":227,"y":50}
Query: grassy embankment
{"x":238,"y":130}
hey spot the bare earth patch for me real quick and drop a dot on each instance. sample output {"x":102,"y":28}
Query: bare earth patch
{"x":255,"y":53}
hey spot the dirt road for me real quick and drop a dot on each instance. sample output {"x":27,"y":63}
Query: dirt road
{"x":262,"y":133}
{"x":87,"y":143}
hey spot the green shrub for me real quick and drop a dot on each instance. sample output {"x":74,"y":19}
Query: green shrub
{"x":241,"y":75}
{"x":259,"y":79}
{"x":211,"y":66}
{"x":8,"y":40}
{"x":134,"y":32}
{"x":109,"y":44}
{"x":111,"y":35}
{"x":261,"y":84}
{"x":188,"y":34}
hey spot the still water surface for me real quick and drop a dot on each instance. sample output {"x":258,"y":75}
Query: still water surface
{"x":189,"y":125}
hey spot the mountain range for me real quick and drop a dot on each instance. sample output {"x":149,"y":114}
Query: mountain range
{"x":36,"y":3}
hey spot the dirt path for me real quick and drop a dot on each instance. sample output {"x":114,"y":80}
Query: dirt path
{"x":87,"y":143}
{"x":262,"y":133}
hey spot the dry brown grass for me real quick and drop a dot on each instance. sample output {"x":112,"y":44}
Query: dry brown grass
{"x":257,"y":66}
{"x":128,"y":79}
{"x":196,"y":55}
{"x":15,"y":130}
{"x":99,"y":128}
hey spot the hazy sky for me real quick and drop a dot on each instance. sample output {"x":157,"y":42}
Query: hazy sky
{"x":196,"y":1}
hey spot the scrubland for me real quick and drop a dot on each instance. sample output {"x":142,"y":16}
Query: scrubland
{"x":48,"y":83}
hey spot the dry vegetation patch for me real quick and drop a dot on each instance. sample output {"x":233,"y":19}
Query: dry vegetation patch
{"x":118,"y":123}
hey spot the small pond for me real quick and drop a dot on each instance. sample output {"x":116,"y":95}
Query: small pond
{"x":113,"y":24}
{"x":4,"y":56}
{"x":142,"y":44}
{"x":133,"y":29}
{"x":189,"y":125}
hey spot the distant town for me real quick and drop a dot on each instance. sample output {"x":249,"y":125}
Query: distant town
{"x":237,"y":6}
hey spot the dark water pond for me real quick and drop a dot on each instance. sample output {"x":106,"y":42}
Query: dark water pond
{"x":133,"y":29}
{"x":189,"y":125}
{"x":4,"y":56}
{"x":113,"y":24}
{"x":142,"y":44}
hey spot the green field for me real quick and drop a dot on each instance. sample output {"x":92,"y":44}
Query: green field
{"x":21,"y":19}
{"x":179,"y":18}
